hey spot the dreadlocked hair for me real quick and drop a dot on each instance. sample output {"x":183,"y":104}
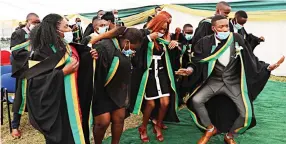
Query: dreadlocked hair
{"x":46,"y":33}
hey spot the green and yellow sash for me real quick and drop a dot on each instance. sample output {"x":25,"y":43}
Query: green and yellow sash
{"x":26,"y":45}
{"x":71,"y":94}
{"x":211,"y":60}
{"x":114,"y":64}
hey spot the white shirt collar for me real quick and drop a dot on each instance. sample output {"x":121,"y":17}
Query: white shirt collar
{"x":235,"y":30}
{"x":217,"y":41}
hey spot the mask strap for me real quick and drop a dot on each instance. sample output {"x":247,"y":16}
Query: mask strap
{"x":60,"y":32}
{"x":124,"y":47}
{"x":129,"y":45}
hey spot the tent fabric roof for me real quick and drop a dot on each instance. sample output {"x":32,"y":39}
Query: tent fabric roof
{"x":243,"y":5}
{"x":248,"y":6}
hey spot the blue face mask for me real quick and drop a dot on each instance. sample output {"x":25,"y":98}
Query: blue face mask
{"x":188,"y":36}
{"x":102,"y":30}
{"x":222,"y":35}
{"x":128,"y":52}
{"x":238,"y":26}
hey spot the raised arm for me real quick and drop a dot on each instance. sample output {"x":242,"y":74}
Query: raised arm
{"x":110,"y":34}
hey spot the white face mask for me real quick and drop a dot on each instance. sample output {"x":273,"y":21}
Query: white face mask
{"x":31,"y":27}
{"x":107,"y":28}
{"x":68,"y":37}
{"x":116,"y":15}
{"x":160,"y":35}
{"x":238,"y":26}
{"x":102,"y":30}
{"x":78,"y":23}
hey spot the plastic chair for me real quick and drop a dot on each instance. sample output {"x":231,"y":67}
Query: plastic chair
{"x":5,"y":57}
{"x":6,"y":69}
{"x":8,"y":86}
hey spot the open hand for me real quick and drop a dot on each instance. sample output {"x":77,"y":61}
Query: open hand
{"x":173,"y":44}
{"x":184,"y":72}
{"x":154,"y":35}
{"x":94,"y":54}
{"x":262,"y":38}
{"x":276,"y":65}
{"x":71,"y":67}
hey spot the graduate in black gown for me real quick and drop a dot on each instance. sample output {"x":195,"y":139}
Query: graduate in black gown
{"x":182,"y":60}
{"x":236,"y":25}
{"x":178,"y":35}
{"x":232,"y":78}
{"x":54,"y":82}
{"x":99,"y":28}
{"x":205,"y":27}
{"x":20,"y":25}
{"x":112,"y":83}
{"x":118,"y":21}
{"x":153,"y":84}
{"x":77,"y":31}
{"x":89,"y":29}
{"x":20,"y":47}
{"x":110,"y":20}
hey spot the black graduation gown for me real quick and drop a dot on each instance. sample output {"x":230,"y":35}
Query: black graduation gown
{"x":119,"y":22}
{"x":137,"y":101}
{"x":204,"y":28}
{"x":111,"y":78}
{"x":18,"y":37}
{"x":88,"y":30}
{"x":85,"y":41}
{"x":250,"y":38}
{"x":148,"y":20}
{"x":181,"y":60}
{"x":78,"y":34}
{"x":20,"y":54}
{"x":180,"y":39}
{"x":222,"y":110}
{"x":52,"y":100}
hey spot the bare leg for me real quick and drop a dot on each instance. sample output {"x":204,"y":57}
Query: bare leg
{"x":101,"y":124}
{"x":164,"y":103}
{"x":150,"y":104}
{"x":117,"y":118}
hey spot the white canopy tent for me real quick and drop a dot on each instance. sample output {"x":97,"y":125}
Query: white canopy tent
{"x":18,"y":9}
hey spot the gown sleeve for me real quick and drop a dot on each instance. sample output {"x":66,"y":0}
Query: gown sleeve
{"x":203,"y":30}
{"x":256,"y":71}
{"x":252,"y":40}
{"x":88,"y":30}
{"x":17,"y":37}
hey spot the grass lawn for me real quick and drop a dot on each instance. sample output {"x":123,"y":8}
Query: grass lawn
{"x":30,"y":135}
